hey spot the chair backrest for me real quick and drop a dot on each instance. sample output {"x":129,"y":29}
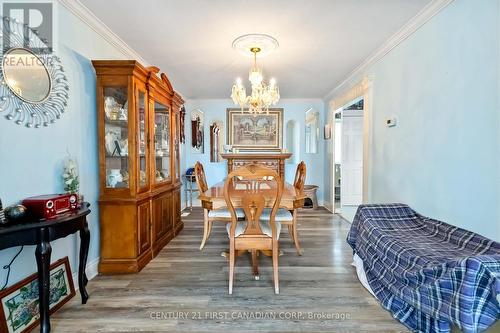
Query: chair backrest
{"x":300,"y":177}
{"x":199,"y":174}
{"x":253,"y":188}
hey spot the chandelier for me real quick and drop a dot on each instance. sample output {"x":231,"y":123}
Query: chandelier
{"x":263,"y":94}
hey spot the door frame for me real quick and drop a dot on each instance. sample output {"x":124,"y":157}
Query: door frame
{"x":333,"y":157}
{"x":362,"y":90}
{"x":347,"y":114}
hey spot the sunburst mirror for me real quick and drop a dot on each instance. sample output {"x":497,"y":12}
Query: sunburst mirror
{"x":34,"y":89}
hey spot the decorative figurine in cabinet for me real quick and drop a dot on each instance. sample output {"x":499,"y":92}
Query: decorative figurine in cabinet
{"x":139,"y":199}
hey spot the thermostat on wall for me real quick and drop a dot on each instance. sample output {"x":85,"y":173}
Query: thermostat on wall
{"x":391,"y":122}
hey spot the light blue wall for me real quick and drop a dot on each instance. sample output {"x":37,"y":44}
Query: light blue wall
{"x":442,"y":84}
{"x":215,"y":110}
{"x":31,"y":159}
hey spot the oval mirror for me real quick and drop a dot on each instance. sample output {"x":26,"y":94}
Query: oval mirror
{"x":26,"y":75}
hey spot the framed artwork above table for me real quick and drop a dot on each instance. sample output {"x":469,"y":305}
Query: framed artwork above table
{"x":246,"y":131}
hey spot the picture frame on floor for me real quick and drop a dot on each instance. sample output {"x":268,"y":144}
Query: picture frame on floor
{"x":19,"y":305}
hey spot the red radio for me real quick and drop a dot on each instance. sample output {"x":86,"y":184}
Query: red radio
{"x":49,"y":205}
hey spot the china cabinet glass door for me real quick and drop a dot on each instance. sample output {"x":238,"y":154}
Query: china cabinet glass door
{"x":142,"y":139}
{"x":161,"y":142}
{"x":116,"y":137}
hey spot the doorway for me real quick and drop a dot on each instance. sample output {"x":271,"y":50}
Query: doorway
{"x":348,"y":158}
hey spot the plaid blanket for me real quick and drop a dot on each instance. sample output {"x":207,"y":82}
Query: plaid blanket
{"x":427,"y":273}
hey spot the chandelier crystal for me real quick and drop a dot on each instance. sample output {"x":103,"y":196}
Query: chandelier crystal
{"x":263,"y":94}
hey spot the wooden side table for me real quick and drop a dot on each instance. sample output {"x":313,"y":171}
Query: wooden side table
{"x":189,"y":189}
{"x":41,"y":233}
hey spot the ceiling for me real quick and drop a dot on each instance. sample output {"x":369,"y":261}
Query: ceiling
{"x":321,"y":41}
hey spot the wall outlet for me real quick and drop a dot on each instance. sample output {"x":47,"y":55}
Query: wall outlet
{"x":391,"y":122}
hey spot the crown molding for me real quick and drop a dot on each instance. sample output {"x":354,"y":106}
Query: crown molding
{"x":87,"y":17}
{"x":428,"y":12}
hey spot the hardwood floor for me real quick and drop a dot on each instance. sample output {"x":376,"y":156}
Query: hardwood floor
{"x":319,"y":291}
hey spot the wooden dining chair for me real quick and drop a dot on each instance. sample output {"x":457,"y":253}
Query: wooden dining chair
{"x":289,"y":218}
{"x":215,"y":215}
{"x":253,"y":187}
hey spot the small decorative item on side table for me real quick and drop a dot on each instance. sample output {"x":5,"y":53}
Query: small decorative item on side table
{"x":15,"y":214}
{"x":48,"y":206}
{"x":70,"y":175}
{"x":19,"y":304}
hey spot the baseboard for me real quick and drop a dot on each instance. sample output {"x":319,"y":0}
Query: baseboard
{"x":329,"y":208}
{"x":345,"y":218}
{"x":91,"y":271}
{"x":195,"y":205}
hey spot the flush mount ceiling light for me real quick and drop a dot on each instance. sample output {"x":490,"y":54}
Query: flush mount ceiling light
{"x":263,"y":94}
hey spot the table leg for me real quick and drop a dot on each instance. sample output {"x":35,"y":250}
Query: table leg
{"x":186,"y":192}
{"x":255,"y":264}
{"x":42,"y":254}
{"x":191,"y":197}
{"x":189,"y":191}
{"x":84,"y":252}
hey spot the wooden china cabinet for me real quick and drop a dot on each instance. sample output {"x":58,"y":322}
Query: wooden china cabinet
{"x":139,"y":177}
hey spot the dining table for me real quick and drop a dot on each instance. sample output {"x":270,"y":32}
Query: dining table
{"x":213,"y":198}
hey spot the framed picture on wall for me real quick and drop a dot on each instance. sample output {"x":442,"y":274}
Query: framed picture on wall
{"x":19,"y":312}
{"x":261,"y":132}
{"x":197,"y":133}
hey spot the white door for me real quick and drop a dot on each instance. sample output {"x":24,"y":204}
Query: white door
{"x":351,"y":193}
